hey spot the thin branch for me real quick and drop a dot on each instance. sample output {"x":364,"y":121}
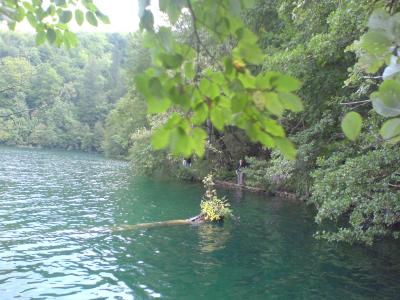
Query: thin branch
{"x":372,"y":77}
{"x":355,"y":102}
{"x":196,"y":33}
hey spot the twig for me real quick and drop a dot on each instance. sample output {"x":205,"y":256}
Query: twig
{"x":355,"y":102}
{"x":196,"y":33}
{"x":372,"y":77}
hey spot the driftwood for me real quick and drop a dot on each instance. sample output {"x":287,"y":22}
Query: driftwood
{"x":194,"y":220}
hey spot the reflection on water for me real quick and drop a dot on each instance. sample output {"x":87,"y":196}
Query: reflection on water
{"x":212,"y":237}
{"x":56,"y":209}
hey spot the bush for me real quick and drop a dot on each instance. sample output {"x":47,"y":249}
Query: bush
{"x":360,"y":194}
{"x":213,"y":208}
{"x":274,"y":174}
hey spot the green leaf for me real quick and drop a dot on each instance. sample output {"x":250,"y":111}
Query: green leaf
{"x":171,"y":61}
{"x":391,"y":129}
{"x":79,"y":18}
{"x":71,"y":38}
{"x":20,"y":14}
{"x":147,"y":21}
{"x":248,"y":81}
{"x":60,"y":2}
{"x":286,"y":83}
{"x":273,"y":128}
{"x":200,"y":114}
{"x":103,"y":18}
{"x":40,"y":37}
{"x":160,"y":138}
{"x":91,"y":18}
{"x":189,"y":70}
{"x":376,"y":43}
{"x":28,"y":6}
{"x":31,"y":19}
{"x":259,"y":100}
{"x":266,"y":139}
{"x":250,"y":52}
{"x":155,"y":87}
{"x":156,"y":105}
{"x":166,"y":38}
{"x":239,"y":102}
{"x":273,"y":104}
{"x":51,"y":35}
{"x":291,"y":102}
{"x":89,"y":5}
{"x":248,"y":3}
{"x":217,"y":117}
{"x":181,"y":143}
{"x":386,"y":101}
{"x":286,"y":147}
{"x":172,"y":8}
{"x":262,"y":81}
{"x":199,"y":141}
{"x":65,"y":16}
{"x":379,"y":19}
{"x":351,"y":125}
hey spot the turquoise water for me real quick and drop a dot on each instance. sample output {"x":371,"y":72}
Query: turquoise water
{"x":55,"y":205}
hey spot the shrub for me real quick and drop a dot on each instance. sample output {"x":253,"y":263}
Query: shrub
{"x":213,"y":208}
{"x":360,"y":194}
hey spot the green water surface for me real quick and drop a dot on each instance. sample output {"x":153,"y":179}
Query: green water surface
{"x":54,"y":207}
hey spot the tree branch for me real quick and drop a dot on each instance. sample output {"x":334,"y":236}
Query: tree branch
{"x":196,"y":33}
{"x":355,"y":102}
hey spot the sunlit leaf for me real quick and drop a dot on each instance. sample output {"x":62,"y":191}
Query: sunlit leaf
{"x":40,"y":37}
{"x":199,"y":136}
{"x":351,"y":125}
{"x":286,"y":147}
{"x":160,"y":138}
{"x":273,"y":104}
{"x":291,"y":102}
{"x":391,"y":129}
{"x":386,"y":101}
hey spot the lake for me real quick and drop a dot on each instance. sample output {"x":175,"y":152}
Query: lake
{"x":56,"y":207}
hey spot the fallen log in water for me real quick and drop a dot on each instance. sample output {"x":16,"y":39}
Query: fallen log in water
{"x":195,"y":220}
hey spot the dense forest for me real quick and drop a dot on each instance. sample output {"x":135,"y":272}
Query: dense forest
{"x":53,"y":97}
{"x":87,"y":98}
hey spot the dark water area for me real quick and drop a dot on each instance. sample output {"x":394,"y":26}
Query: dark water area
{"x":54,"y":207}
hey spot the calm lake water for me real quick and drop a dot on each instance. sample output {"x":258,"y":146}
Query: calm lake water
{"x":54,"y":207}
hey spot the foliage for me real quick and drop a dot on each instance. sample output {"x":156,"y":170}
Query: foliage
{"x":213,"y":208}
{"x":226,"y":92}
{"x":144,"y":159}
{"x":377,"y":48}
{"x":360,"y":194}
{"x":122,"y":122}
{"x":57,"y":98}
{"x":50,"y":18}
{"x":273,"y":174}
